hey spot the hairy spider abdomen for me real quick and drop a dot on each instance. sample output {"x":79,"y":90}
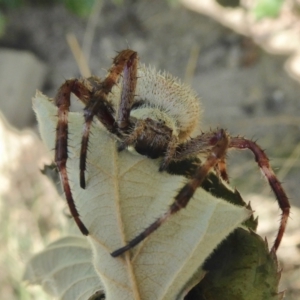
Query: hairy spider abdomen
{"x":166,"y":93}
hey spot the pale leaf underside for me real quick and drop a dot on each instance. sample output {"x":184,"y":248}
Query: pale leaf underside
{"x":64,"y":269}
{"x":124,"y":194}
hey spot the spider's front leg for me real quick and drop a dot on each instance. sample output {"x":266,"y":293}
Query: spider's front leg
{"x":202,"y":144}
{"x":84,"y":90}
{"x":62,"y":101}
{"x":125,"y":62}
{"x":93,"y":93}
{"x":218,"y":151}
{"x":263,"y":162}
{"x":206,"y":140}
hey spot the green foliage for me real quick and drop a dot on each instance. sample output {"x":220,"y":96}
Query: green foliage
{"x":11,"y":3}
{"x":229,"y":3}
{"x":240,"y":268}
{"x":262,"y":9}
{"x":2,"y":24}
{"x":267,"y":9}
{"x":80,"y":8}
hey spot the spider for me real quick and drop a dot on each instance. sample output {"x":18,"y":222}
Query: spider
{"x":154,"y":123}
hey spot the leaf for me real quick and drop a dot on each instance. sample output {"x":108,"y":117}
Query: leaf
{"x":241,"y":268}
{"x":229,"y":3}
{"x":80,"y":8}
{"x":65,"y":270}
{"x":242,"y":256}
{"x":212,"y":184}
{"x":267,"y":9}
{"x":124,"y":194}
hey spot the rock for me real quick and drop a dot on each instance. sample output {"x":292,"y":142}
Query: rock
{"x":21,"y":73}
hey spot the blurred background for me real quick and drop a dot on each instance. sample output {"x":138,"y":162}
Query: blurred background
{"x":242,"y":58}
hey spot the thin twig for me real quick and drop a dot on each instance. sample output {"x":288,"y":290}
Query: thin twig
{"x":90,"y":29}
{"x":78,"y":55}
{"x":191,"y":64}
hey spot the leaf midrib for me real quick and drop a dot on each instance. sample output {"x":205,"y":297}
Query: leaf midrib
{"x":117,"y":198}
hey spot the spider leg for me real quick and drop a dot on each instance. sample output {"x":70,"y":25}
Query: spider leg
{"x":131,"y":138}
{"x":186,"y":193}
{"x":206,"y":140}
{"x":222,"y":169}
{"x":263,"y":162}
{"x":62,"y":101}
{"x":106,"y":114}
{"x":170,"y":153}
{"x":200,"y":144}
{"x":126,"y":62}
{"x":83,"y":89}
{"x":128,"y":89}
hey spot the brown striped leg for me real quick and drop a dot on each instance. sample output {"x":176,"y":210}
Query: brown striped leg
{"x":133,"y":136}
{"x":263,"y":162}
{"x":170,"y":153}
{"x":125,"y":62}
{"x":106,"y":112}
{"x":193,"y":147}
{"x":222,"y":170}
{"x":128,"y":90}
{"x":186,"y":193}
{"x":62,"y":101}
{"x":83,"y":89}
{"x":201,"y":144}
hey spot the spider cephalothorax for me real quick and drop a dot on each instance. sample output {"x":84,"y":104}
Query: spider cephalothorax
{"x":156,"y":115}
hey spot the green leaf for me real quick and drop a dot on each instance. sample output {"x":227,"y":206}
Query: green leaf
{"x":2,"y":24}
{"x":125,"y":193}
{"x":229,"y":3}
{"x":80,"y":8}
{"x":11,"y":4}
{"x":241,"y":268}
{"x":267,"y":9}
